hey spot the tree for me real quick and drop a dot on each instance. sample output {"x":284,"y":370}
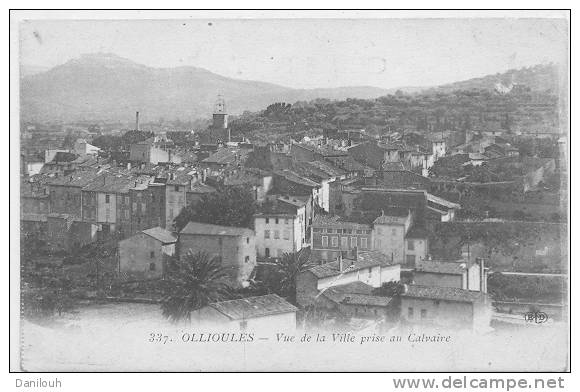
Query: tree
{"x":191,"y":283}
{"x":47,"y":295}
{"x":230,"y":206}
{"x":390,"y":289}
{"x":282,"y":280}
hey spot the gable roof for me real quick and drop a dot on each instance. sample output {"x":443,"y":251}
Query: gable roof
{"x":443,"y":293}
{"x":208,"y":229}
{"x":160,"y":234}
{"x":252,"y":307}
{"x":366,"y":259}
{"x":441,"y":267}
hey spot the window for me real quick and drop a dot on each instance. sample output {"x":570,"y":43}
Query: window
{"x":411,"y":259}
{"x":152,"y":267}
{"x":344,"y":242}
{"x":267,"y":220}
{"x":176,"y":188}
{"x":134,"y":206}
{"x":277,"y":234}
{"x":247,"y":259}
{"x":126,"y":214}
{"x":127,"y":200}
{"x":353,"y":242}
{"x":267,"y":252}
{"x":143,"y":208}
{"x":410,"y":244}
{"x":286,"y":221}
{"x":423,"y":314}
{"x":152,"y":254}
{"x":286,"y":234}
{"x":247,"y":240}
{"x":410,"y":313}
{"x":363,"y":243}
{"x":266,"y":233}
{"x":324,"y":241}
{"x":335,"y":241}
{"x":107,"y":199}
{"x":277,"y":220}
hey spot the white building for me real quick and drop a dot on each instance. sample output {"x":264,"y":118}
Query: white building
{"x":370,"y":267}
{"x":280,"y":228}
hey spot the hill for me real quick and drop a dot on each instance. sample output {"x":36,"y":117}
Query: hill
{"x":529,"y":103}
{"x":541,"y":77}
{"x":108,"y":87}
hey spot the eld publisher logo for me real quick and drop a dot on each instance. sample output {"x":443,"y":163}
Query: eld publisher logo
{"x":536,"y":317}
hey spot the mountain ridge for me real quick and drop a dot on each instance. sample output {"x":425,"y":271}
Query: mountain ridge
{"x":107,"y":87}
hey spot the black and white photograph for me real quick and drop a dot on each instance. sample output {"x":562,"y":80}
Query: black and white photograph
{"x":290,"y":191}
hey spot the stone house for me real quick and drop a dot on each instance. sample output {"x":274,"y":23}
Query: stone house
{"x":235,"y":247}
{"x":145,"y":254}
{"x":448,"y":307}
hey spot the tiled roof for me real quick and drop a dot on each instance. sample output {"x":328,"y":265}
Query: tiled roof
{"x":293,"y":200}
{"x":201,"y":188}
{"x":441,"y":267}
{"x":393,"y":215}
{"x":225,"y":156}
{"x":160,"y":234}
{"x":294,"y":177}
{"x":77,"y":179}
{"x":252,"y":307}
{"x":208,"y":229}
{"x":356,"y":287}
{"x":443,"y":293}
{"x":335,"y":222}
{"x":328,"y":168}
{"x":113,"y":183}
{"x":366,"y":259}
{"x":368,"y":300}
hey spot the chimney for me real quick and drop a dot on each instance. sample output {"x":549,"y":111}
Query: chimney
{"x":137,"y":121}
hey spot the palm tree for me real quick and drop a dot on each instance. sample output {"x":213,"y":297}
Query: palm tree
{"x":289,"y":267}
{"x":191,"y":283}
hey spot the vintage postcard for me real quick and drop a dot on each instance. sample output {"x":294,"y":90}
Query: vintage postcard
{"x":206,"y":191}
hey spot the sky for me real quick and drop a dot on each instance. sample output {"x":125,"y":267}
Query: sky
{"x":309,"y":53}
